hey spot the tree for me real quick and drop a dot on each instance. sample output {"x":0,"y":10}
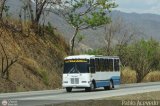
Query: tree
{"x":84,"y":14}
{"x":119,"y":34}
{"x":3,"y":7}
{"x":143,"y":56}
{"x":7,"y":65}
{"x":110,"y":31}
{"x":37,"y":7}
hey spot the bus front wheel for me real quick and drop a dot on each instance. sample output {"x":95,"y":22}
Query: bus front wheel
{"x":69,"y":89}
{"x":91,"y":88}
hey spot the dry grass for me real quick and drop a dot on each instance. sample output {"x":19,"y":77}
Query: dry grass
{"x":40,"y":58}
{"x":152,"y":77}
{"x":7,"y":86}
{"x":35,"y":69}
{"x":31,"y":65}
{"x":129,"y":76}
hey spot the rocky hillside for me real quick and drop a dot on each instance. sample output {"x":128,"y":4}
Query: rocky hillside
{"x":39,"y":59}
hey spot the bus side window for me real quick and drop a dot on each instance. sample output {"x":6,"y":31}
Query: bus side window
{"x":104,"y":64}
{"x":107,"y":64}
{"x":101,"y":64}
{"x":97,"y":64}
{"x":116,"y":64}
{"x":110,"y":64}
{"x":92,"y":65}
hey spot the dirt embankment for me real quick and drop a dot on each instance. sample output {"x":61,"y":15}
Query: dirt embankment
{"x":39,"y":59}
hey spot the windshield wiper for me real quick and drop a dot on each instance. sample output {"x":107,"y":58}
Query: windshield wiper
{"x":74,"y":69}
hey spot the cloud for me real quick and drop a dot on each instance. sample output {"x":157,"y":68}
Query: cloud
{"x":139,"y":6}
{"x":151,"y":2}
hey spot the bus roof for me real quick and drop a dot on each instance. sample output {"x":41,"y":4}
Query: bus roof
{"x":89,"y":57}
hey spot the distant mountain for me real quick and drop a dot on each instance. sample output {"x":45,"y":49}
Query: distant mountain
{"x":147,"y":24}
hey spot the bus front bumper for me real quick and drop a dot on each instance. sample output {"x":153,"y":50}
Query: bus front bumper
{"x":76,"y":85}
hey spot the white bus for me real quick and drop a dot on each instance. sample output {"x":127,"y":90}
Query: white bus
{"x":90,"y":72}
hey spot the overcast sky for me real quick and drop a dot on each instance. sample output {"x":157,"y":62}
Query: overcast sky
{"x":139,"y":6}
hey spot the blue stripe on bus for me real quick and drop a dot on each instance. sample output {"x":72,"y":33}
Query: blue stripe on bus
{"x":116,"y":81}
{"x":115,"y":77}
{"x":102,"y":83}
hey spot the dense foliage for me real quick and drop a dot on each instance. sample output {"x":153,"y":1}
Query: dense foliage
{"x":142,"y":56}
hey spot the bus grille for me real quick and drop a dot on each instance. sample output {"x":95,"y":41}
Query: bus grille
{"x":74,"y":80}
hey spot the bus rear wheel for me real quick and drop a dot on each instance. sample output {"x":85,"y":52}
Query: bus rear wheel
{"x":69,"y":89}
{"x":110,"y":87}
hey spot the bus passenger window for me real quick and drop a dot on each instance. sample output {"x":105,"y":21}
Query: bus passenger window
{"x":91,"y":62}
{"x":92,"y":66}
{"x":101,"y":64}
{"x":92,"y":69}
{"x":97,"y":64}
{"x":116,"y":64}
{"x":110,"y":64}
{"x":107,"y":64}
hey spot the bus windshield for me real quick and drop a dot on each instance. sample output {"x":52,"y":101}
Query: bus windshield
{"x":76,"y":66}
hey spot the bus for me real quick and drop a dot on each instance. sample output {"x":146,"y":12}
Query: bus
{"x":91,"y":72}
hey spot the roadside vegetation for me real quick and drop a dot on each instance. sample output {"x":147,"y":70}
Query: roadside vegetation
{"x":140,"y":57}
{"x":31,"y":54}
{"x":30,"y":61}
{"x":32,"y":49}
{"x":140,"y":60}
{"x":129,"y":76}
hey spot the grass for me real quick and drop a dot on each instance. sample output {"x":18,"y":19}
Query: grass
{"x":36,"y":70}
{"x":45,"y":77}
{"x":40,"y":60}
{"x":152,"y":77}
{"x":129,"y":76}
{"x":20,"y":88}
{"x":31,"y":65}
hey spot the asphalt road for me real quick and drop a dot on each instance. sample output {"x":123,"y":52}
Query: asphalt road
{"x":40,"y":98}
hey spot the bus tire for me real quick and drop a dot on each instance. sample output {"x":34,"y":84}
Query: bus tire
{"x":112,"y":84}
{"x":68,"y":89}
{"x":91,"y":88}
{"x":110,"y":87}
